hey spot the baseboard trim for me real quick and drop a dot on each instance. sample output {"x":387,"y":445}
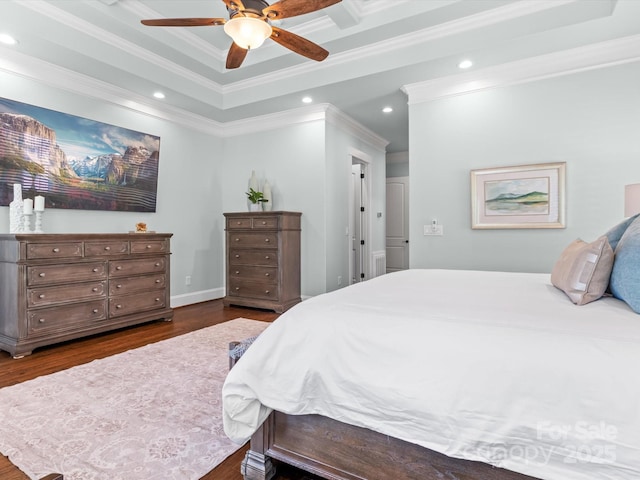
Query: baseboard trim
{"x":196,"y":297}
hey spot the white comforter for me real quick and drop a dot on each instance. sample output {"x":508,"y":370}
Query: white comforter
{"x":489,"y":366}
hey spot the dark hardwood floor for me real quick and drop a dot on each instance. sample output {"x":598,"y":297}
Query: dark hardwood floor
{"x":58,"y":357}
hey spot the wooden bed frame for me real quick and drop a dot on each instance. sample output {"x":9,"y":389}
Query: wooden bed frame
{"x":338,"y":451}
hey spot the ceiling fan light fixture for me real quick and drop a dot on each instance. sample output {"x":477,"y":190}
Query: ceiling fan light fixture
{"x":247,"y":32}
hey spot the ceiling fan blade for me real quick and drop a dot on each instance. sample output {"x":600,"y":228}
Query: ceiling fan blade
{"x":298,"y":44}
{"x":236,"y":56}
{"x":292,"y":8}
{"x":183,"y":22}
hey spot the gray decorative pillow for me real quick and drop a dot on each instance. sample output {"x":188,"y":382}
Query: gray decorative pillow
{"x":583,"y":270}
{"x":614,"y":234}
{"x":625,"y":277}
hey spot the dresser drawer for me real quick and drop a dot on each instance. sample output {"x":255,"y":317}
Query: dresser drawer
{"x":267,"y":275}
{"x":252,"y":289}
{"x":265,"y":222}
{"x":124,"y":286}
{"x":54,"y":250}
{"x":123,"y":268}
{"x":253,"y":240}
{"x":50,"y":274}
{"x":238,"y":223}
{"x":65,"y":317}
{"x":152,"y":246}
{"x":37,"y":297}
{"x":96,"y":249}
{"x":139,"y":302}
{"x":261,"y":257}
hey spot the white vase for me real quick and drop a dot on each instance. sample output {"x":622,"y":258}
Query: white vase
{"x":255,"y":207}
{"x":16,"y":221}
{"x":266,"y":193}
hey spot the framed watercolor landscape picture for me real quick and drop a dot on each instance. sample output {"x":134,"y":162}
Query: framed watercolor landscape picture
{"x":525,"y":196}
{"x":75,"y":162}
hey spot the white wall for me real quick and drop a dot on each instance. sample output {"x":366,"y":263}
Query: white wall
{"x":590,"y":120}
{"x":292,"y":159}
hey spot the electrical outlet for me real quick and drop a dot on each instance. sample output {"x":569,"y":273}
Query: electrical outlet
{"x":187,"y":280}
{"x":339,"y":280}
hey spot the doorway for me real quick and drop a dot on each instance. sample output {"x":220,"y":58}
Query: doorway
{"x":358,"y":221}
{"x":397,"y":224}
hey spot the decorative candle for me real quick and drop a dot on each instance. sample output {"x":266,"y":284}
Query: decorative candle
{"x":27,"y":206}
{"x":39,"y":203}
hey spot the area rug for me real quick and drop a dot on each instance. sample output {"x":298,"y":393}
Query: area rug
{"x":149,"y":413}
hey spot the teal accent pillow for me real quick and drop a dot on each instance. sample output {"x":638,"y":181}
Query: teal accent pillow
{"x":625,"y":276}
{"x":614,"y":234}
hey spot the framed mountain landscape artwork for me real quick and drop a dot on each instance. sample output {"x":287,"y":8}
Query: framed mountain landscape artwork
{"x":525,"y":196}
{"x":75,"y":162}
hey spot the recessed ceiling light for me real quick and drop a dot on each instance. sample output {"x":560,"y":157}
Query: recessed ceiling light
{"x":465,"y":64}
{"x":158,"y":95}
{"x":7,"y":39}
{"x":387,"y":110}
{"x":307,"y":100}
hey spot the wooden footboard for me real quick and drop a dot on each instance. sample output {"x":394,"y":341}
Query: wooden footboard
{"x":338,"y":451}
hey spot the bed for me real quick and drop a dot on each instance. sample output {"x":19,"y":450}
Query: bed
{"x":443,"y":374}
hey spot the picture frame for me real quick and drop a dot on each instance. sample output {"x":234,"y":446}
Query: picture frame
{"x":522,"y":196}
{"x":76,"y":162}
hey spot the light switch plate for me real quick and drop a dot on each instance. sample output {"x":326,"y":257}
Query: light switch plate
{"x":433,"y":230}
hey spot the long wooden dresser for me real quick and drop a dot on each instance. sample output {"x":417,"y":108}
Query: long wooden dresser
{"x":263,"y":259}
{"x":56,"y":287}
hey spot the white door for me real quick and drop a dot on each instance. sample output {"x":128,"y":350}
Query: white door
{"x":397,"y":224}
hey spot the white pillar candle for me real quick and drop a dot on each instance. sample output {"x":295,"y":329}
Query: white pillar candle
{"x":39,"y":205}
{"x":27,"y":206}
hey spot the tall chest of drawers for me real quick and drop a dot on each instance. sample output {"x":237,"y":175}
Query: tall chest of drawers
{"x":263,"y":259}
{"x":56,"y":287}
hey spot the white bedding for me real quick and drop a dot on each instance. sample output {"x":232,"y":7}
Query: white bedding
{"x":489,"y":366}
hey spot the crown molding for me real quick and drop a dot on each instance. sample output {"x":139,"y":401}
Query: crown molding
{"x":454,"y":27}
{"x":567,"y":62}
{"x":73,"y":22}
{"x":286,"y":118}
{"x":345,"y":122}
{"x":58,"y":77}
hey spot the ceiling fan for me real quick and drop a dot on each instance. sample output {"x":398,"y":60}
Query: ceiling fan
{"x":249,"y":25}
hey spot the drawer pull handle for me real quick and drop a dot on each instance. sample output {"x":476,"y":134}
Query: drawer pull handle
{"x":264,"y":223}
{"x":41,"y":295}
{"x":157,"y":299}
{"x":119,"y":286}
{"x":237,"y":256}
{"x":266,"y":240}
{"x":118,"y":306}
{"x":267,"y":257}
{"x":41,"y":274}
{"x":119,"y":267}
{"x":94,"y":289}
{"x":237,"y":239}
{"x":107,"y":248}
{"x":42,"y":320}
{"x":237,"y":272}
{"x":238,"y":223}
{"x":95,"y":270}
{"x":157,"y":264}
{"x":267,"y":292}
{"x":95,"y":310}
{"x":158,"y":280}
{"x":148,"y":246}
{"x":267,"y":274}
{"x":237,"y":288}
{"x":56,"y":250}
